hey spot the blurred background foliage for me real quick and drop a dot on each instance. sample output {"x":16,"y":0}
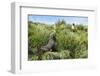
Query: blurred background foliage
{"x":70,"y":45}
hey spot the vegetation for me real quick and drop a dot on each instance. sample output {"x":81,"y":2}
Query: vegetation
{"x":70,"y":44}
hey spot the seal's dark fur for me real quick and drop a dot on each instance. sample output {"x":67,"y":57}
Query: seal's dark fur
{"x":51,"y":45}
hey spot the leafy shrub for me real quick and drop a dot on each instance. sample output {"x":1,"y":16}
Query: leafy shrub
{"x":69,"y":44}
{"x":63,"y":54}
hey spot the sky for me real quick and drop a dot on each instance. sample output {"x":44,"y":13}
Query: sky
{"x":53,"y":19}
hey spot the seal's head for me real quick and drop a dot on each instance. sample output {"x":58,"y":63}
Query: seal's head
{"x":53,"y":36}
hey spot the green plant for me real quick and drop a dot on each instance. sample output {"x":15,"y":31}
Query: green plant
{"x":70,"y":44}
